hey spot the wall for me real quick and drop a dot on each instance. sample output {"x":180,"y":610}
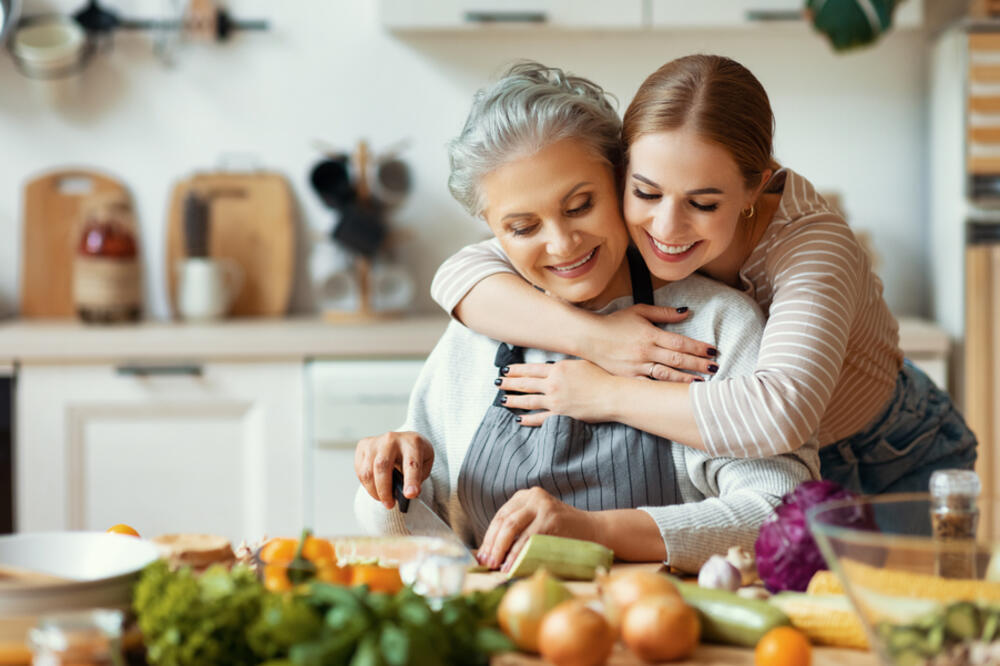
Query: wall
{"x":327,"y":71}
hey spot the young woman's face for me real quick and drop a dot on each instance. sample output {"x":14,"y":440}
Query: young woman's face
{"x":683,"y":197}
{"x":556,"y":215}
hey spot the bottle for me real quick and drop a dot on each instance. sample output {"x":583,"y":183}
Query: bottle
{"x":106,"y":277}
{"x":81,"y":638}
{"x":954,"y":519}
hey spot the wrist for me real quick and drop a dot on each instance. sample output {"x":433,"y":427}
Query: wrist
{"x":589,"y":333}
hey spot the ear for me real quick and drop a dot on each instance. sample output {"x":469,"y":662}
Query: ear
{"x":765,"y":178}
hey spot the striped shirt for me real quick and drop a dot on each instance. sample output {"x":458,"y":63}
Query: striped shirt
{"x":830,"y":354}
{"x":724,"y":500}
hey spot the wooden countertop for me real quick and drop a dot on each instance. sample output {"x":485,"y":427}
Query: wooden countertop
{"x":705,"y":655}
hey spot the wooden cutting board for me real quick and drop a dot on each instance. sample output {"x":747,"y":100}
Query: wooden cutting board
{"x":252,"y":222}
{"x":52,"y":207}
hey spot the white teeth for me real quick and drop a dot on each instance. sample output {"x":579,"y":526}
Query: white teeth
{"x":671,"y":249}
{"x":577,"y":264}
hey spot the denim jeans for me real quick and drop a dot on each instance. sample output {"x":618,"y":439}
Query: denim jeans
{"x":919,"y":431}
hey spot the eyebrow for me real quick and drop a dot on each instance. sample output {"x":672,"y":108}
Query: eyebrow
{"x":512,"y":216}
{"x":700,"y":190}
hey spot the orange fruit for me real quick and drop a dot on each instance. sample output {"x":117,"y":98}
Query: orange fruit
{"x":328,"y":572}
{"x":378,"y":579}
{"x":317,"y":550}
{"x":276,"y":578}
{"x":783,"y":646}
{"x":278,"y":551}
{"x":122,"y":528}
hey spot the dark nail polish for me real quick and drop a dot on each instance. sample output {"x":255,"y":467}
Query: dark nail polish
{"x":699,"y":379}
{"x":503,"y":400}
{"x":713,"y":368}
{"x":517,"y":419}
{"x":682,"y":309}
{"x":550,"y":362}
{"x":497,"y":381}
{"x":504,"y":370}
{"x":712,"y":351}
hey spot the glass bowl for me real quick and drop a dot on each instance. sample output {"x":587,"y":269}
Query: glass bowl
{"x":922,"y":600}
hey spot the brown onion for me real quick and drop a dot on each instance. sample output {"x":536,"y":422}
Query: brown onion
{"x":622,"y":589}
{"x":525,"y":604}
{"x":574,"y":634}
{"x":662,"y":628}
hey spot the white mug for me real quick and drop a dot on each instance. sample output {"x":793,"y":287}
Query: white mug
{"x":207,"y":288}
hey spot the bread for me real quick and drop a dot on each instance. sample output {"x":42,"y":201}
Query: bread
{"x":198,"y":551}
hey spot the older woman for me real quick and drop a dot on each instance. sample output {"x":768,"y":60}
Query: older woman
{"x":537,"y":160}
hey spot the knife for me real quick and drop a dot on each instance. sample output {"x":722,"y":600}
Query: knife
{"x":421,"y":520}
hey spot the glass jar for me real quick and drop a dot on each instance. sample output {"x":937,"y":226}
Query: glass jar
{"x":82,"y":638}
{"x":106,"y":277}
{"x":954,"y":519}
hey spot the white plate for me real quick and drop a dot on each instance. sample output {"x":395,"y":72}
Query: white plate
{"x":102,"y":568}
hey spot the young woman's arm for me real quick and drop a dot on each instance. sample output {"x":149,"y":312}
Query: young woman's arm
{"x":480,"y":288}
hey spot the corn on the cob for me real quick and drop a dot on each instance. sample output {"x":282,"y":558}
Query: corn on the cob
{"x":824,"y":582}
{"x":899,"y":583}
{"x":825,"y":619}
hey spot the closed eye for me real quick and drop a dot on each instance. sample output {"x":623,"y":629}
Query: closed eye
{"x":582,"y":208}
{"x":523,"y":230}
{"x":645,"y":195}
{"x":708,"y":208}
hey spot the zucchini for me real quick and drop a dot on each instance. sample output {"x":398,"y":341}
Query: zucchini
{"x":569,"y":559}
{"x":728,"y":618}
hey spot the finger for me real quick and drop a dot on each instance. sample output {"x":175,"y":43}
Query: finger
{"x":516,"y":548}
{"x":365,"y":475}
{"x":526,"y":401}
{"x":663,"y":373}
{"x":662,"y":315}
{"x":508,"y":533}
{"x":382,"y":467}
{"x":522,"y":384}
{"x":528,"y":370}
{"x":684,"y":345}
{"x":510,"y":506}
{"x":412,"y":467}
{"x":535,"y":419}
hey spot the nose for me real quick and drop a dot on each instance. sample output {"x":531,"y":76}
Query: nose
{"x":562,"y":241}
{"x":666,"y":219}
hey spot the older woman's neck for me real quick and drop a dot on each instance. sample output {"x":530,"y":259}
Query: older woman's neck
{"x":619,"y":285}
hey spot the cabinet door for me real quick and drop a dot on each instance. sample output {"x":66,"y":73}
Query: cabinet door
{"x":733,"y":13}
{"x":349,"y":400}
{"x":215,"y":448}
{"x":471,"y":14}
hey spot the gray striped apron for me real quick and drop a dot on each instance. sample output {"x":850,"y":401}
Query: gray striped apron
{"x":592,"y":466}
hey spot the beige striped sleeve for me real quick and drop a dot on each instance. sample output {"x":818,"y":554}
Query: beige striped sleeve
{"x":816,"y":273}
{"x":460,"y":272}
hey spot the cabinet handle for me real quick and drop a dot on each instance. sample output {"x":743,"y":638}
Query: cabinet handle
{"x":505,"y":17}
{"x":770,"y":15}
{"x":141,"y":370}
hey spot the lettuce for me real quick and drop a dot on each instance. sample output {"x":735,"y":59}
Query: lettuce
{"x":787,"y":554}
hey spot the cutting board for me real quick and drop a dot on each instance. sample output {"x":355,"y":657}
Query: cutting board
{"x":52,"y":207}
{"x":251,"y":221}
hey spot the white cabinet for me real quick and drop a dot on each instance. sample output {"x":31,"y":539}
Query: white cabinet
{"x":348,"y":400}
{"x":477,"y":14}
{"x":214,"y":448}
{"x":740,"y":13}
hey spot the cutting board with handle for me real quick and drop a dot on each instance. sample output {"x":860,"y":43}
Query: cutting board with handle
{"x":251,"y":222}
{"x":53,"y":204}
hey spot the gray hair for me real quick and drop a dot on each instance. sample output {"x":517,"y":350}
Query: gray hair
{"x":532,"y":106}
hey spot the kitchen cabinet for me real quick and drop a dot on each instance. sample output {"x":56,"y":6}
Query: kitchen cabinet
{"x":478,"y":14}
{"x":348,"y":400}
{"x":212,"y":447}
{"x":745,"y":13}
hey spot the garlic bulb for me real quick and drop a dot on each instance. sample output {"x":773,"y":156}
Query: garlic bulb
{"x":717,"y":573}
{"x":745,"y":563}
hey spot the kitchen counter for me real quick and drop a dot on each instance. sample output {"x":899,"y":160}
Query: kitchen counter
{"x":69,"y":341}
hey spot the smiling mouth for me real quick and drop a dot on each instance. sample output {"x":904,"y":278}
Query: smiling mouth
{"x":672,"y":249}
{"x":573,"y":268}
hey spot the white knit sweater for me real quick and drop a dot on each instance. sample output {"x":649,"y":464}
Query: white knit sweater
{"x":725,"y":499}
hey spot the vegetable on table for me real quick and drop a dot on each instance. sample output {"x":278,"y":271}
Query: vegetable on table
{"x":718,"y":573}
{"x":573,"y":634}
{"x":730,"y":619}
{"x":661,"y":628}
{"x":525,"y":604}
{"x":570,"y":559}
{"x":826,"y":619}
{"x":621,"y":589}
{"x":783,"y":646}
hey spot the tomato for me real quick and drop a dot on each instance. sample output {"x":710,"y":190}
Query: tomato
{"x":317,"y":550}
{"x":378,"y":579}
{"x":278,"y":551}
{"x":276,"y":578}
{"x":122,"y":528}
{"x":783,"y":646}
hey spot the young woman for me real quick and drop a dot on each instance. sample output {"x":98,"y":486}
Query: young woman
{"x":537,"y":159}
{"x":703,"y":194}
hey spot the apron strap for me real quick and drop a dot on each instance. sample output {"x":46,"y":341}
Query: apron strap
{"x":642,"y":284}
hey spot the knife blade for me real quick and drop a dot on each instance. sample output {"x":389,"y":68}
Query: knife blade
{"x":420,"y":519}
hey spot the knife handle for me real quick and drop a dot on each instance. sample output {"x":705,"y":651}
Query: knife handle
{"x":397,"y":490}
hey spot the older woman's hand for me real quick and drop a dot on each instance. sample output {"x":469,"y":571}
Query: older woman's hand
{"x":527,"y":512}
{"x":574,"y":388}
{"x":375,"y":458}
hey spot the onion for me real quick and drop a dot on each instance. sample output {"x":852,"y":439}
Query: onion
{"x":622,"y":589}
{"x":573,"y":634}
{"x":661,"y":628}
{"x":525,"y":604}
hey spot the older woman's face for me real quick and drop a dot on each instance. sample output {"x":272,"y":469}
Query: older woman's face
{"x":556,"y":215}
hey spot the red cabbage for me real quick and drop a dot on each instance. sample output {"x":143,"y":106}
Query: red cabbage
{"x":787,"y":554}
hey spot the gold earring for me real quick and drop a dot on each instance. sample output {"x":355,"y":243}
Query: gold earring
{"x":750,"y":211}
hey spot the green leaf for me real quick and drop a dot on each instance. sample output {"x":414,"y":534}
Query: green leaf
{"x":394,"y":643}
{"x":368,"y":652}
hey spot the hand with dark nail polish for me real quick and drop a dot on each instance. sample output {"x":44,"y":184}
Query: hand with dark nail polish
{"x":713,"y":368}
{"x":712,"y":351}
